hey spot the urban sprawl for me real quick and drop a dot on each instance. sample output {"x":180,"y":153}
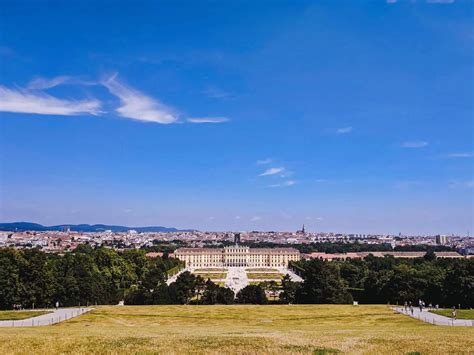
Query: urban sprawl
{"x":66,"y":241}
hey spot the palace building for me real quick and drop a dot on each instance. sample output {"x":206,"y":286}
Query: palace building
{"x":237,"y":255}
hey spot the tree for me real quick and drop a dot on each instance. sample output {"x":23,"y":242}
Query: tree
{"x":459,"y":284}
{"x":322,"y":284}
{"x":225,"y":296}
{"x":253,"y":294}
{"x":184,"y":288}
{"x":430,"y":255}
{"x":289,"y":289}
{"x":210,"y":293}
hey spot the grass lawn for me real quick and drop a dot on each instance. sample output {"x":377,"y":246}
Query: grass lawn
{"x":210,"y":270}
{"x":264,"y":275}
{"x":260,"y":282}
{"x":17,"y":315}
{"x":460,"y":313}
{"x":240,"y":329}
{"x":262,"y":269}
{"x":212,"y":275}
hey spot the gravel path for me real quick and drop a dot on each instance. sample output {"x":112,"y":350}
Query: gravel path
{"x":436,"y":319}
{"x":56,"y":316}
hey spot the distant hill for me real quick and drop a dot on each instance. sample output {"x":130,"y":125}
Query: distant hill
{"x":27,"y":226}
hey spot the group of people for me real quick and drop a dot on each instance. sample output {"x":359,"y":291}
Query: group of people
{"x":421,"y":304}
{"x":17,"y":307}
{"x":408,"y":306}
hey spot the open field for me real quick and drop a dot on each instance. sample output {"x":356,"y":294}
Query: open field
{"x":17,"y":315}
{"x":264,"y":275}
{"x":212,"y":275}
{"x":460,"y":313}
{"x":261,"y":269}
{"x":307,"y":329}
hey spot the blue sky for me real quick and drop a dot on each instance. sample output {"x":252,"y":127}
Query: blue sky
{"x":348,"y":116}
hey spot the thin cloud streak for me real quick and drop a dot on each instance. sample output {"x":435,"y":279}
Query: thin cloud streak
{"x":264,"y":161}
{"x":344,"y":130}
{"x":138,"y":106}
{"x":208,"y":119}
{"x":41,"y":83}
{"x":457,"y":155}
{"x":414,"y":144}
{"x":284,"y":184}
{"x":44,"y":83}
{"x":272,"y":171}
{"x":23,"y":101}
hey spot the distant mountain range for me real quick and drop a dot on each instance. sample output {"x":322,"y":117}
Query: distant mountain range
{"x":27,"y":226}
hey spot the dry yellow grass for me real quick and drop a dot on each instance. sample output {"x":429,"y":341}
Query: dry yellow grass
{"x":240,"y":329}
{"x":17,"y":315}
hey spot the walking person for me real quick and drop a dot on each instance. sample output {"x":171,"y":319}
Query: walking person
{"x":57,"y":305}
{"x":454,"y":315}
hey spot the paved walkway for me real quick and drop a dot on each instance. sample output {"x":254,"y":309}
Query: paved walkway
{"x":56,"y":316}
{"x":293,"y":276}
{"x":435,"y":319}
{"x":175,"y":276}
{"x":236,"y":278}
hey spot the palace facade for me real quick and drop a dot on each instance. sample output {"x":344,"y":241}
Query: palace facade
{"x":237,"y":256}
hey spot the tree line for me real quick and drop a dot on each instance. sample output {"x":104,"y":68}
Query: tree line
{"x":446,"y":282}
{"x":33,"y":278}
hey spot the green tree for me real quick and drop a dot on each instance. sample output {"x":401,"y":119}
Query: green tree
{"x":252,"y":294}
{"x":289,"y":289}
{"x":322,"y":284}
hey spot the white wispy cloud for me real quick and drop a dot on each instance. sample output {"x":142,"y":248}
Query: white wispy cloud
{"x":440,"y":1}
{"x":40,"y":83}
{"x":255,"y":218}
{"x":208,"y":119}
{"x":24,"y":101}
{"x":453,"y":184}
{"x":138,"y":106}
{"x":217,"y":93}
{"x":284,"y":184}
{"x":458,"y":155}
{"x":133,"y":103}
{"x":414,"y":144}
{"x":272,"y":171}
{"x":45,"y":83}
{"x":264,"y":161}
{"x":344,"y":130}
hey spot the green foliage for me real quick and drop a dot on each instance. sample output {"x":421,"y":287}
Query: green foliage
{"x":446,"y":282}
{"x":322,"y":284}
{"x":252,"y":294}
{"x":87,"y":276}
{"x":289,"y":290}
{"x":214,"y":294}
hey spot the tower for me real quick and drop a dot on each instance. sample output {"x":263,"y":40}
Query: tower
{"x":237,"y":238}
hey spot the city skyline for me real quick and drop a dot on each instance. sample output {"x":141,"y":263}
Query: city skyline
{"x":352,"y":118}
